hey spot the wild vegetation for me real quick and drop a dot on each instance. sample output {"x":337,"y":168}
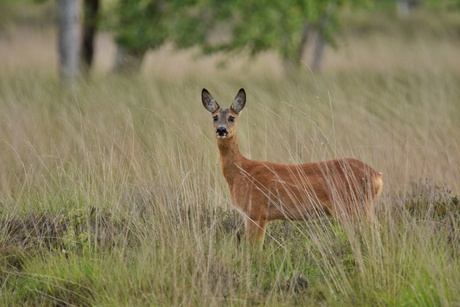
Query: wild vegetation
{"x":111,"y":191}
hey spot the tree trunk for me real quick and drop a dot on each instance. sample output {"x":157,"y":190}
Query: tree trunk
{"x":405,"y":7}
{"x":68,"y":38}
{"x":303,"y":40}
{"x":318,"y":51}
{"x":126,"y":61}
{"x":289,"y":62}
{"x":320,"y":42}
{"x":90,"y":23}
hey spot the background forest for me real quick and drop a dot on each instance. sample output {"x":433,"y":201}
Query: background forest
{"x":111,"y":192}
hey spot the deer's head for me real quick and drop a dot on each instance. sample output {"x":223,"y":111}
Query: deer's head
{"x":224,"y":118}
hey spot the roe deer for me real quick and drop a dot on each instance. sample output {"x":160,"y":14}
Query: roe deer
{"x":266,"y":191}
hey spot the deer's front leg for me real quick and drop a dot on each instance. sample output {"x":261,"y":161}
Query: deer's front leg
{"x":255,"y":227}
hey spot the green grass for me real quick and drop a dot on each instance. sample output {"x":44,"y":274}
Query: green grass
{"x":111,"y":191}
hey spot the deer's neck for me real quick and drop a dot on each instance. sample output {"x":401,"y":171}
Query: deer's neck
{"x":230,"y":157}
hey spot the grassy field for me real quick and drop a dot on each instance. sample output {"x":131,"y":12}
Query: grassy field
{"x":111,"y":191}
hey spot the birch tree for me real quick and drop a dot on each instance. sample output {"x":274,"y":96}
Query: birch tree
{"x":68,"y":38}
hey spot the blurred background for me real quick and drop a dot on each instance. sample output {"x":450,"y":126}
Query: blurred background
{"x":78,"y":38}
{"x":373,"y":79}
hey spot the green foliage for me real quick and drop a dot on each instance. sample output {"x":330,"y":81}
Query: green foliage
{"x":141,"y":25}
{"x":76,"y":235}
{"x":245,"y":25}
{"x":257,"y":27}
{"x":56,"y":279}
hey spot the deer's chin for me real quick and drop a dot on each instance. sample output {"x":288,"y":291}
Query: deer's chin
{"x":221,"y":136}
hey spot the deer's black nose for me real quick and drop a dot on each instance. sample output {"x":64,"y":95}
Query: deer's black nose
{"x":221,"y":131}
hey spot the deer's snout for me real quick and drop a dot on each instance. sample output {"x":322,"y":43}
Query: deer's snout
{"x":221,"y":132}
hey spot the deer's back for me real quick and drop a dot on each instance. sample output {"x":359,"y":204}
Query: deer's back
{"x":299,"y":191}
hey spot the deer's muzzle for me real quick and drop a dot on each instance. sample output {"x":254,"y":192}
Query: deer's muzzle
{"x":221,"y":132}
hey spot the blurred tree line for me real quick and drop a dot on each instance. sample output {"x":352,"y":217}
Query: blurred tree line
{"x":240,"y":25}
{"x":285,"y":27}
{"x":229,"y":26}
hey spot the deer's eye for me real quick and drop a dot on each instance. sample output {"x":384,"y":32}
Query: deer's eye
{"x":215,"y":118}
{"x":231,"y":119}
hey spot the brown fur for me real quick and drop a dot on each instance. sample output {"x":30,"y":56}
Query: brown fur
{"x":265,"y":191}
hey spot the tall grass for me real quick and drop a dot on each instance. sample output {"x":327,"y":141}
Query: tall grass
{"x":111,"y":191}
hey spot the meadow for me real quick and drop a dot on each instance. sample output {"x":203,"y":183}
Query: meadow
{"x":111,"y":192}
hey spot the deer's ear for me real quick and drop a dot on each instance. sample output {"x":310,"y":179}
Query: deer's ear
{"x":239,"y":102}
{"x":209,"y":102}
